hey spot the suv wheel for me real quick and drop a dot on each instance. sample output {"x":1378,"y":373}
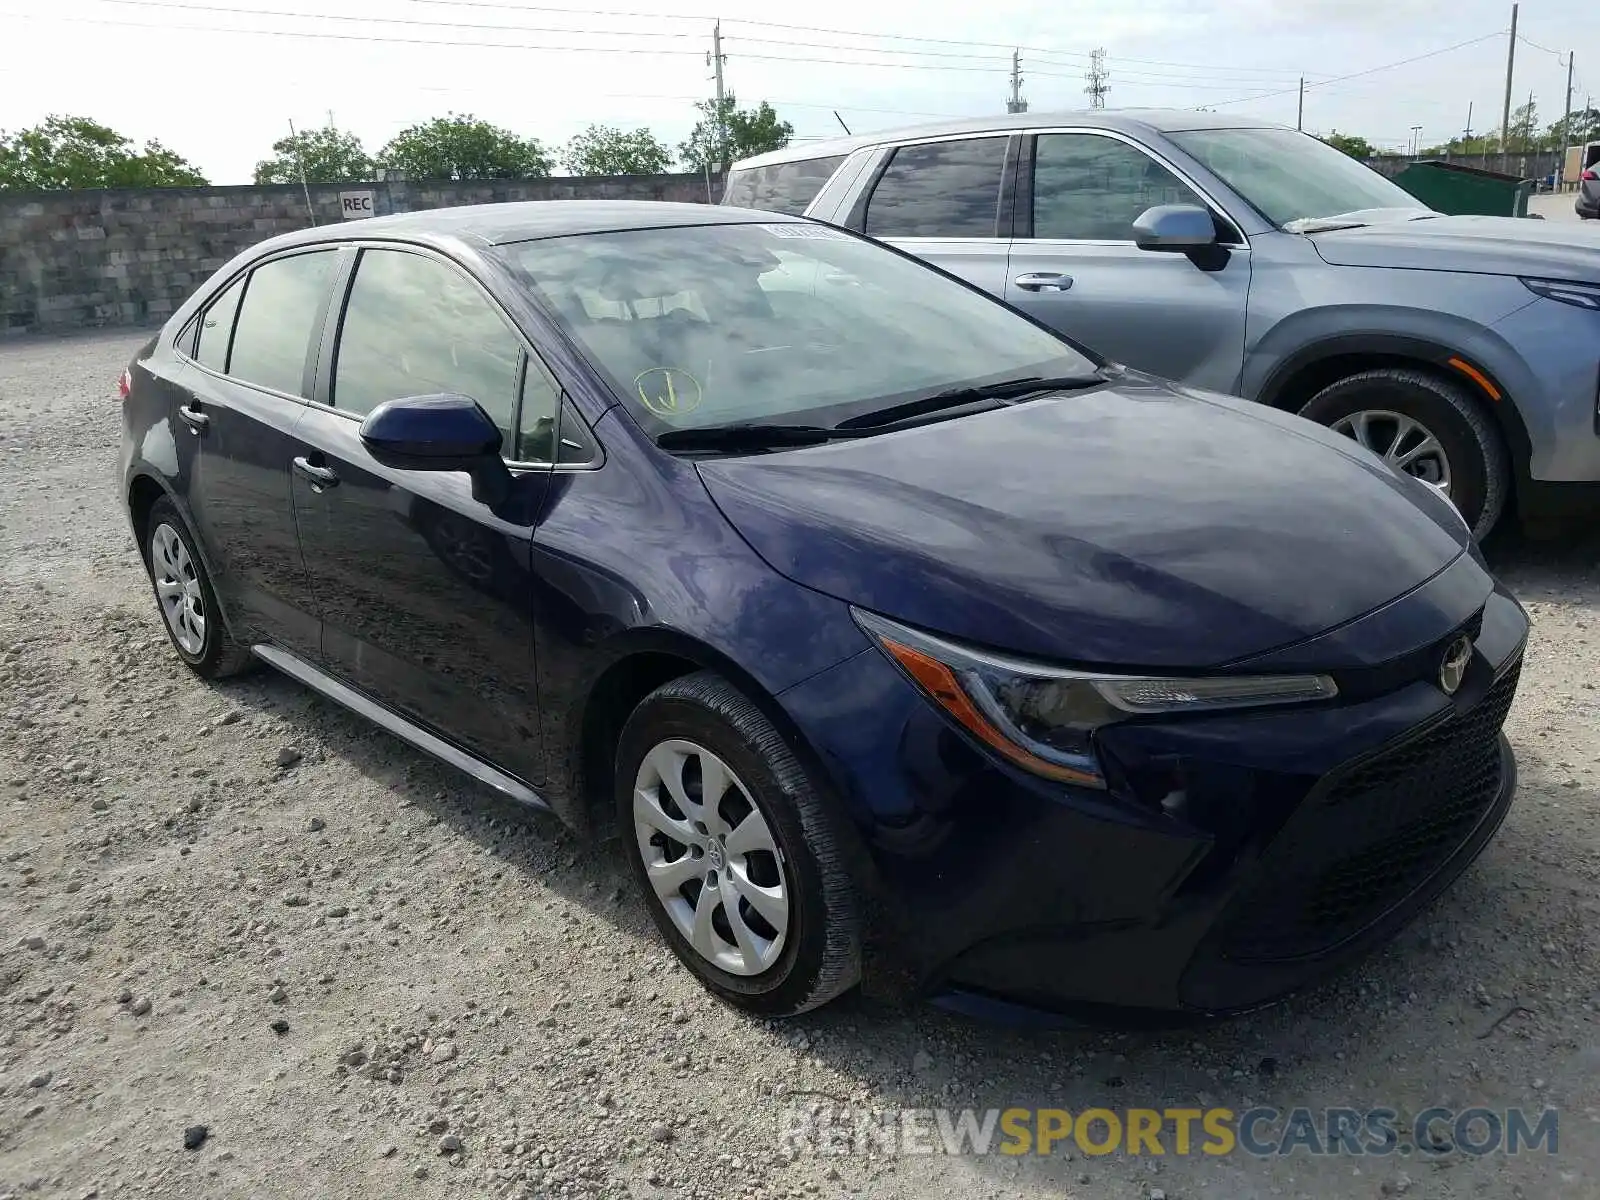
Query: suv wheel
{"x":1428,"y":427}
{"x":184,"y":596}
{"x":733,"y":850}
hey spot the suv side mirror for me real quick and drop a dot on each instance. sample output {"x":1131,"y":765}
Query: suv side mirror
{"x":439,"y":433}
{"x":1174,"y":227}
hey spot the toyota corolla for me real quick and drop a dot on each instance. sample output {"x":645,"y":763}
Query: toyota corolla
{"x":901,"y":641}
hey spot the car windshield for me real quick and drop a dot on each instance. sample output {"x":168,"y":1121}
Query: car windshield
{"x":713,"y":325}
{"x":1289,"y":176}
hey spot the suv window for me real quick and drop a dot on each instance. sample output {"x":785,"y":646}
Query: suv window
{"x":216,"y":327}
{"x":414,"y":326}
{"x":282,"y":301}
{"x":1092,"y":188}
{"x":782,"y":187}
{"x":942,"y":189}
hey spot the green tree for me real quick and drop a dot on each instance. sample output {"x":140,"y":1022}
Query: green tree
{"x":729,"y":133}
{"x":1355,"y":147}
{"x":1583,"y":127}
{"x":603,"y":150}
{"x":75,"y":152}
{"x":460,"y":146}
{"x":1523,"y":133}
{"x":327,"y":155}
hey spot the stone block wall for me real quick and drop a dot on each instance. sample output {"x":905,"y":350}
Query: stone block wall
{"x":130,"y":257}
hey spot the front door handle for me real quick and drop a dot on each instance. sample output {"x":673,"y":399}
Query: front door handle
{"x":320,"y":477}
{"x":1043,"y":281}
{"x":196,"y":420}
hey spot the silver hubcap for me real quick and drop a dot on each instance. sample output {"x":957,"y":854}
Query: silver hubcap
{"x":711,"y":858}
{"x":178,"y":588}
{"x":1401,"y":441}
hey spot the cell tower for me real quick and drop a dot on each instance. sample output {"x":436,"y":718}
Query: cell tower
{"x":1016,"y":104}
{"x":1099,"y":79}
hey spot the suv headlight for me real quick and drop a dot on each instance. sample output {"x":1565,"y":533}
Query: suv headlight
{"x":1043,"y":718}
{"x":1581,"y":295}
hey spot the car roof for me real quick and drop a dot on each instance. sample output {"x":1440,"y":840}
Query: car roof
{"x":523,"y":221}
{"x":1131,"y":120}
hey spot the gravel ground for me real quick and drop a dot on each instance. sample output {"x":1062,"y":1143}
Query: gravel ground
{"x":238,"y":907}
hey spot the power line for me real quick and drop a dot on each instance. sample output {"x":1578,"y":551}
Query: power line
{"x":1369,"y":71}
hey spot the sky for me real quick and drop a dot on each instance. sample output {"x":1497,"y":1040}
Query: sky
{"x":219,"y":80}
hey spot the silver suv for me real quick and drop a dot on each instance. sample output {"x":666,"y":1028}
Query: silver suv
{"x":1249,"y":258}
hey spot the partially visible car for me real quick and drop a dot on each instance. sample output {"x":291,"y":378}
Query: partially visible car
{"x":1255,"y":260}
{"x":901,"y":640}
{"x":1587,"y":202}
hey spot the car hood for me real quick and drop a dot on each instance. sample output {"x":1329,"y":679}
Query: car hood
{"x":1479,"y":245}
{"x":1138,"y":525}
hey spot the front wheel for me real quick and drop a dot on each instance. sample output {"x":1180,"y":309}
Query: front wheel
{"x":738,"y":859}
{"x":1430,"y":428}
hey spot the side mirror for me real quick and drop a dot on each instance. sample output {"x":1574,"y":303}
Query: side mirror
{"x":439,"y":433}
{"x":1174,"y":227}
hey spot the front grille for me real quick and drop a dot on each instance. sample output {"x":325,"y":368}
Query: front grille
{"x":1368,"y":837}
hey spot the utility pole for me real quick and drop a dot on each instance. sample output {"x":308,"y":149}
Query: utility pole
{"x":1300,"y":112}
{"x":1416,"y":140}
{"x":300,"y":161}
{"x":717,"y":58}
{"x":1099,"y":82}
{"x":1505,"y":113}
{"x":1016,"y":104}
{"x":1566,"y":131}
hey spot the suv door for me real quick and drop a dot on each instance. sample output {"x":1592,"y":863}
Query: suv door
{"x":424,"y":589}
{"x":1074,"y":264}
{"x":249,"y":356}
{"x":945,"y":201}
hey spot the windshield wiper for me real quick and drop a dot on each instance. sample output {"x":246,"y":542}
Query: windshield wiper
{"x":748,"y":436}
{"x":1006,"y":389}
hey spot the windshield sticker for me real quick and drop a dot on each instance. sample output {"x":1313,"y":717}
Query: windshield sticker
{"x":668,"y":391}
{"x":811,"y":232}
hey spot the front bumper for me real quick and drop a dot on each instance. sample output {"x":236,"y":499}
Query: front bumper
{"x":1290,"y":842}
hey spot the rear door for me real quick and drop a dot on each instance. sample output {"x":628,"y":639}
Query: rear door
{"x":1074,"y":264}
{"x":946,"y":201}
{"x":424,"y":590}
{"x":249,"y":366}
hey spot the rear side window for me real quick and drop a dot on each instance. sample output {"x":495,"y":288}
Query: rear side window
{"x":415,"y":327}
{"x":782,"y":187}
{"x":216,"y":327}
{"x":282,"y":302}
{"x":943,"y":189}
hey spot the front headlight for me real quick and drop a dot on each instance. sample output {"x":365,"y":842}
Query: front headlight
{"x":1043,"y":718}
{"x":1579,"y":295}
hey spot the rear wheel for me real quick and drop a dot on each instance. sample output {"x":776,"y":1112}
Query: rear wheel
{"x":184,"y":595}
{"x":736,"y":857}
{"x":1430,"y":428}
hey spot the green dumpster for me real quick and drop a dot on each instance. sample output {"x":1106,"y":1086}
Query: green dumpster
{"x":1456,"y":189}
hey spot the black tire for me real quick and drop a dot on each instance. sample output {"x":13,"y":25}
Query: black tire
{"x":821,"y":953}
{"x":219,"y":655}
{"x":1480,"y":471}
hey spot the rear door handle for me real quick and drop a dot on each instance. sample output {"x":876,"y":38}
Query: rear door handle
{"x":320,"y":477}
{"x":1043,"y":281}
{"x":196,"y":420}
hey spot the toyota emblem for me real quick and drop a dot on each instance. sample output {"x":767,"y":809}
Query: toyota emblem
{"x":1453,"y":666}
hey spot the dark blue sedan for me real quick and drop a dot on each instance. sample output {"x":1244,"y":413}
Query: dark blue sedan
{"x":902,"y":641}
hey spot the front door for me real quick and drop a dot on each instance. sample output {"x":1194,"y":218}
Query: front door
{"x":423,"y":589}
{"x":1078,"y":270}
{"x":244,"y":390}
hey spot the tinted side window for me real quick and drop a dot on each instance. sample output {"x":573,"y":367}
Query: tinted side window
{"x":414,"y":326}
{"x":946,"y":189}
{"x":282,"y":301}
{"x":1091,"y":187}
{"x":782,"y":187}
{"x":216,"y":327}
